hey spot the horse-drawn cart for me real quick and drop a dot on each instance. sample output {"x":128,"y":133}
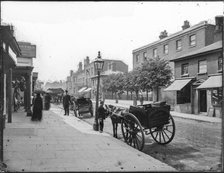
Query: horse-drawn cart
{"x":83,"y":106}
{"x":154,"y":119}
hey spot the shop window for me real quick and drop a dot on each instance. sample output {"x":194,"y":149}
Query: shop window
{"x":220,"y":64}
{"x":178,"y":45}
{"x":184,"y":69}
{"x":216,"y":96}
{"x":184,"y":95}
{"x":192,"y":40}
{"x":202,"y":67}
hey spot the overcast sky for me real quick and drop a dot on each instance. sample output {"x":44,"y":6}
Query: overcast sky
{"x":66,"y":32}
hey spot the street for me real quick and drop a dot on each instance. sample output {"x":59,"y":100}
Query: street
{"x":195,"y":147}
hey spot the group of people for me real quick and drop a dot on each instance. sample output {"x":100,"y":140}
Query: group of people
{"x":37,"y":111}
{"x":101,"y":110}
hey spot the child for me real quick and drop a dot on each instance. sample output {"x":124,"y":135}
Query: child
{"x":101,"y":115}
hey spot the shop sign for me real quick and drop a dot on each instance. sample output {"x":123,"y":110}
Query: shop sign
{"x":28,"y":50}
{"x":13,"y":55}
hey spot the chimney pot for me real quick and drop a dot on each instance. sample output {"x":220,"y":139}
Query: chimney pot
{"x":163,"y":34}
{"x":186,"y":25}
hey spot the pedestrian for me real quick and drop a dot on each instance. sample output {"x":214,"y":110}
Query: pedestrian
{"x":66,"y":102}
{"x":37,"y":108}
{"x":47,"y":101}
{"x":101,"y":115}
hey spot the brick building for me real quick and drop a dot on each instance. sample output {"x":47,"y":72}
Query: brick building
{"x":84,"y":80}
{"x":169,"y":47}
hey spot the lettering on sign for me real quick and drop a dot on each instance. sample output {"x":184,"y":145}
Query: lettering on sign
{"x":28,"y":50}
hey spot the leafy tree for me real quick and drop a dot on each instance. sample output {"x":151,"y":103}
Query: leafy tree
{"x":155,"y":73}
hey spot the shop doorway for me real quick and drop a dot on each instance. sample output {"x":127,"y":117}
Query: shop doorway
{"x":203,"y":101}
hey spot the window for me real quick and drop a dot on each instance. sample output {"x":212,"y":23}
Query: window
{"x":184,"y":69}
{"x":137,"y":58}
{"x":145,"y":56}
{"x":110,"y":66}
{"x":193,"y":40}
{"x":155,"y":53}
{"x":184,"y":95}
{"x":165,"y":49}
{"x":216,"y":96}
{"x":220,"y":64}
{"x":202,"y":67}
{"x":178,"y":45}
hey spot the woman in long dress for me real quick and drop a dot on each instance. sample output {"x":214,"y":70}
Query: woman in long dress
{"x":37,"y":108}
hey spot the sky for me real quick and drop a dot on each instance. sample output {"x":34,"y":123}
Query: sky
{"x":66,"y":32}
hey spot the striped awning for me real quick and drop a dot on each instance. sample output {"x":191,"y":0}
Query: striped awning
{"x":211,"y":82}
{"x":87,"y":90}
{"x":82,"y":89}
{"x":177,"y":85}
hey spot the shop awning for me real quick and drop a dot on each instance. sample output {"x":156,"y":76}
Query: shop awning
{"x":87,"y":90}
{"x":211,"y":82}
{"x":178,"y":84}
{"x":82,"y":89}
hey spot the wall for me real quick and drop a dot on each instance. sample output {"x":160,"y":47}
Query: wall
{"x":212,"y":65}
{"x":201,"y":41}
{"x":184,"y":108}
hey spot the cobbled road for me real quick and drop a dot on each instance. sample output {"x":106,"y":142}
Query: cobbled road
{"x":195,"y":147}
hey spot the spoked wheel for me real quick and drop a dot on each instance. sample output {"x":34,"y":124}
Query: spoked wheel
{"x":164,"y":134}
{"x":132,"y":131}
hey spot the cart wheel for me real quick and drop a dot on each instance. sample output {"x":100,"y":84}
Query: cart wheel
{"x":165,"y":133}
{"x":132,"y":131}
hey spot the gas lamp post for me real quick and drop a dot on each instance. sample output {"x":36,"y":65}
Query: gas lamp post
{"x":98,"y":64}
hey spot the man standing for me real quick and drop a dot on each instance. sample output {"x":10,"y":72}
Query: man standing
{"x":66,"y":102}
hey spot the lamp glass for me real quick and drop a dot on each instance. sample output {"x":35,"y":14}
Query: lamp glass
{"x":98,"y":63}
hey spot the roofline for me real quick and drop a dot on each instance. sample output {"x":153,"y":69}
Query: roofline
{"x":176,"y":34}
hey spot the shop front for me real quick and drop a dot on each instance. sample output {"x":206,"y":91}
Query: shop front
{"x":212,"y":89}
{"x":182,"y":91}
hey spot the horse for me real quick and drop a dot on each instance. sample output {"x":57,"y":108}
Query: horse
{"x":115,"y":116}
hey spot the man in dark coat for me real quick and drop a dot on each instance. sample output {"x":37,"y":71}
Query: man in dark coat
{"x":66,"y":102}
{"x":37,"y":108}
{"x":101,"y":115}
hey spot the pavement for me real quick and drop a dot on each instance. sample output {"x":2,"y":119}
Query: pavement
{"x":61,"y":143}
{"x":200,"y":117}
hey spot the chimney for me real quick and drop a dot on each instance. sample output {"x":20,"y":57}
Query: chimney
{"x":163,"y":34}
{"x":218,"y":28}
{"x":186,"y":25}
{"x":71,"y":71}
{"x":86,"y":61}
{"x":80,"y":66}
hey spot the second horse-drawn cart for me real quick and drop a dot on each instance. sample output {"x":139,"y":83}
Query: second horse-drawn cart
{"x":141,"y":120}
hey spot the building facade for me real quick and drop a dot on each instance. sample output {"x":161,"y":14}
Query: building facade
{"x":85,"y":78}
{"x":8,"y":59}
{"x":24,"y":68}
{"x":189,"y":39}
{"x":198,"y":79}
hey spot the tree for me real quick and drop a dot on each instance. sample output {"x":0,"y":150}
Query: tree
{"x":155,"y":73}
{"x":114,"y":83}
